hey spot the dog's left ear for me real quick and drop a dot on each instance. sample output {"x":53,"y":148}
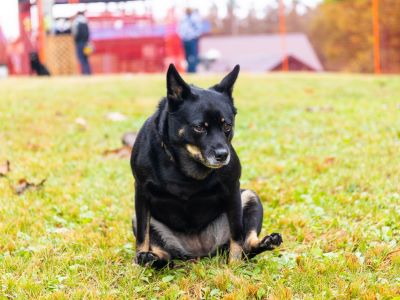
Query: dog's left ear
{"x":177,"y":88}
{"x":226,"y":85}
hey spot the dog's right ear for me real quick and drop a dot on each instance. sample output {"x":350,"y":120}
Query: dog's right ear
{"x":177,"y":88}
{"x":226,"y":85}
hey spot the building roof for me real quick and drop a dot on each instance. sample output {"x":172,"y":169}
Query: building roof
{"x":258,"y":53}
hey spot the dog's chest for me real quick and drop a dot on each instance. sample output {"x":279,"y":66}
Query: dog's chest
{"x":186,"y":208}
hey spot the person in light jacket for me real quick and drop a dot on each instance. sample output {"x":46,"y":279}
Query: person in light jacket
{"x":190,"y":30}
{"x":81,"y":34}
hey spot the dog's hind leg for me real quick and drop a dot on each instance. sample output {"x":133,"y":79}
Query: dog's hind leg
{"x":252,"y":223}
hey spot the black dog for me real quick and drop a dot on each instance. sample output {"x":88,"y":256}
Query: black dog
{"x":188,"y":199}
{"x":36,"y":66}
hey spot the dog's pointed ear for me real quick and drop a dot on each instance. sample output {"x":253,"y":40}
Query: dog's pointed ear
{"x":177,"y":88}
{"x":226,"y":84}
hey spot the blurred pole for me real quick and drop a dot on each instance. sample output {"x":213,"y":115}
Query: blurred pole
{"x":42,"y":32}
{"x":375,"y":18}
{"x":282,"y":30}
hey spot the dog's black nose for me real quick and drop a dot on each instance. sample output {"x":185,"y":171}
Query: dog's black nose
{"x":221,"y":154}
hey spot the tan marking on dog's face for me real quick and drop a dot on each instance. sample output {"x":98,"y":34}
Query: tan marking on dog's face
{"x":222,"y":120}
{"x":235,"y":251}
{"x":206,"y":124}
{"x":160,"y":252}
{"x":194,"y":151}
{"x":252,"y":240}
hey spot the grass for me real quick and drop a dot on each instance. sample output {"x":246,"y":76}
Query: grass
{"x":322,"y":151}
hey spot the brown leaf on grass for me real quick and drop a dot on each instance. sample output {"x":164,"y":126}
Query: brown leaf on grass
{"x":329,"y":160}
{"x":319,"y":109}
{"x":393,"y":254}
{"x":123,"y":152}
{"x":81,"y":122}
{"x":325,"y":164}
{"x":5,"y":169}
{"x":33,"y":147}
{"x":309,"y":90}
{"x":24,"y":185}
{"x":116,"y":116}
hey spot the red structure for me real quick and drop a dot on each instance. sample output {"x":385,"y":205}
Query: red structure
{"x":123,"y":43}
{"x":126,"y":43}
{"x":3,"y":49}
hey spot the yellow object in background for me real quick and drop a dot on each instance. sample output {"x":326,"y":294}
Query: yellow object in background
{"x":88,"y":49}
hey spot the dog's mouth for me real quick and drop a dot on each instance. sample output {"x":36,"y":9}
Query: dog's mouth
{"x":208,"y":161}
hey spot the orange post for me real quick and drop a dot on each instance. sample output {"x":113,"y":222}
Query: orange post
{"x":41,"y":32}
{"x":375,"y":25}
{"x":282,"y":30}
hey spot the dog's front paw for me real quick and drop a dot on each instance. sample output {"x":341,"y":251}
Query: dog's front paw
{"x":270,"y":242}
{"x":146,"y":258}
{"x":150,"y":259}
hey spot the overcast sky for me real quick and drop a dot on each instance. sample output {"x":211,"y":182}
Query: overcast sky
{"x":9,"y":9}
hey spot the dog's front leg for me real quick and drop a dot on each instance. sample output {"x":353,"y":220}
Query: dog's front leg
{"x":142,"y":228}
{"x":147,"y":254}
{"x":235,"y":216}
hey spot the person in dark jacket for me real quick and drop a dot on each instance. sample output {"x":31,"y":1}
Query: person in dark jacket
{"x":81,"y":34}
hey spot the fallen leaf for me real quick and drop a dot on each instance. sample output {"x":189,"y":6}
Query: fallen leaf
{"x":319,"y":109}
{"x":123,"y":152}
{"x":81,"y":122}
{"x":309,"y":90}
{"x":24,"y":185}
{"x":329,"y":160}
{"x":128,"y":139}
{"x":392,"y":254}
{"x":116,"y":116}
{"x":33,"y":147}
{"x":5,"y":169}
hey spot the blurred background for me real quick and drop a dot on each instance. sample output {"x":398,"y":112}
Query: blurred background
{"x":66,"y":37}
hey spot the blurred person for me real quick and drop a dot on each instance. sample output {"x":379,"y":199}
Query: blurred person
{"x":189,"y":30}
{"x":62,"y":26}
{"x":81,"y":34}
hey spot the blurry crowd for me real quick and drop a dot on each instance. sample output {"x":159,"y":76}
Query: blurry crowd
{"x":189,"y":30}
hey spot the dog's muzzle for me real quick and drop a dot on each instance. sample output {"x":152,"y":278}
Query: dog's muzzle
{"x":214,"y":159}
{"x":218,"y":158}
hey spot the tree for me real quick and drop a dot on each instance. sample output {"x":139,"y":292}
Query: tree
{"x":341,"y":31}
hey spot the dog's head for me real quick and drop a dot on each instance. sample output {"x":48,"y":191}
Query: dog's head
{"x":201,"y":121}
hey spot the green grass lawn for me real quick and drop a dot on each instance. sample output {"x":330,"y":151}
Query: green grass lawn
{"x":322,"y":151}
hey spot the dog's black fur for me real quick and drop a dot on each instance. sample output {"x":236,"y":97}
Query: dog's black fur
{"x":36,"y":66}
{"x":188,"y":199}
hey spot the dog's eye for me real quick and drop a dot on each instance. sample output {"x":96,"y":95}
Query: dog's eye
{"x":227,"y":127}
{"x":199,"y":128}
